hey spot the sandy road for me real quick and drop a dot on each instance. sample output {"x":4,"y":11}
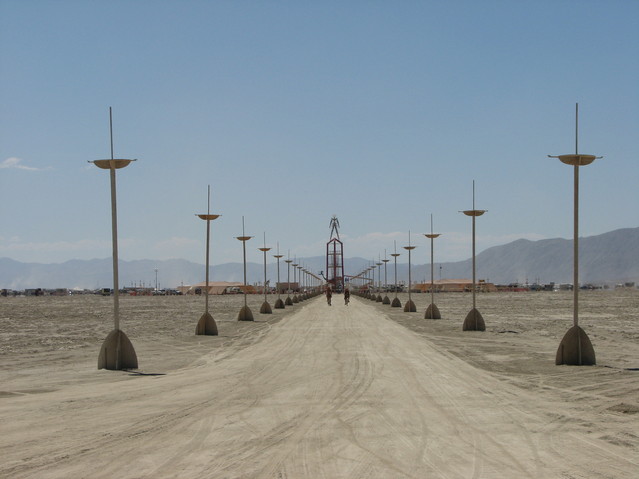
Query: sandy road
{"x":328,"y":392}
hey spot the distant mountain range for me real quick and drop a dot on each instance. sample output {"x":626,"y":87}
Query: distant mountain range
{"x":607,"y":258}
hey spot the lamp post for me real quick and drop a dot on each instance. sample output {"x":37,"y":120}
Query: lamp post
{"x":409,"y":307}
{"x":289,"y":301}
{"x":265,"y":308}
{"x":373,"y":296}
{"x":117,"y":351}
{"x":432,"y":312}
{"x":386,"y":299}
{"x":379,"y":299}
{"x":206,"y":325}
{"x":474,"y":320}
{"x":575,"y":347}
{"x":396,"y":302}
{"x":279,"y":304}
{"x":245,"y":313}
{"x":296,"y":299}
{"x":300,"y":296}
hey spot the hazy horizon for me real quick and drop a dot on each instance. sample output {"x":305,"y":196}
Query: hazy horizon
{"x":379,"y":113}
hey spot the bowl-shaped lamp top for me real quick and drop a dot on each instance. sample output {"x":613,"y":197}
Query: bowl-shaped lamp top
{"x":111,"y":164}
{"x":474,"y":212}
{"x":208,"y":217}
{"x":576,"y":160}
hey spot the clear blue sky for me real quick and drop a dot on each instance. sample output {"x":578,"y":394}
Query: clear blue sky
{"x":380,"y":112}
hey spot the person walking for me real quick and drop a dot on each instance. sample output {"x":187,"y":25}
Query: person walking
{"x":347,"y":296}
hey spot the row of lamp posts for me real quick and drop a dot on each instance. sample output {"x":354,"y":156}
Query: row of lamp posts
{"x":117,"y":352}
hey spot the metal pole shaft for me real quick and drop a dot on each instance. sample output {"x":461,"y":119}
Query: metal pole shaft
{"x":432,"y":280}
{"x":244,"y":256}
{"x":575,"y":279}
{"x":395,"y":276}
{"x":114,"y":236}
{"x":409,"y":276}
{"x":265,"y":276}
{"x":206,"y":291}
{"x":473,"y":260}
{"x":278,"y":278}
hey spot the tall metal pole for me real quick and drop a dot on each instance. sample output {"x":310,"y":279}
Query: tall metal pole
{"x":206,"y":325}
{"x":432,"y":269}
{"x":279,"y":304}
{"x":208,"y":238}
{"x":575,"y":253}
{"x":244,"y":261}
{"x":245,"y":313}
{"x":575,"y":347}
{"x":114,"y":235}
{"x":474,"y":320}
{"x":432,"y":312}
{"x":396,"y":303}
{"x":409,"y":307}
{"x":117,"y":351}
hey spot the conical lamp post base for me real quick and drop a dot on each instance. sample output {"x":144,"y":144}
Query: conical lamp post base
{"x":379,"y":298}
{"x":432,"y":312}
{"x":117,"y":352}
{"x":279,"y":304}
{"x":396,"y":303}
{"x":474,"y":321}
{"x":386,"y":300}
{"x":289,"y":301}
{"x":206,"y":325}
{"x":296,"y":299}
{"x":266,"y":308}
{"x":576,"y":349}
{"x":410,"y":307}
{"x":245,"y":314}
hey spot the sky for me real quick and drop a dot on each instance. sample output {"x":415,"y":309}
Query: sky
{"x":380,"y":112}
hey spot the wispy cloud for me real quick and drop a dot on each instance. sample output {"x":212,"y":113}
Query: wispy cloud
{"x":16,"y":163}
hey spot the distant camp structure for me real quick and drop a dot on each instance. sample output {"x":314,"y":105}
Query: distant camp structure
{"x":217,"y":287}
{"x":455,"y":286}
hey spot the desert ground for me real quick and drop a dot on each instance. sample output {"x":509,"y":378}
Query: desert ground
{"x":318,"y":391}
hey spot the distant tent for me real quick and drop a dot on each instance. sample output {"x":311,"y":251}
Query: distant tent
{"x":454,"y":286}
{"x":215,"y":287}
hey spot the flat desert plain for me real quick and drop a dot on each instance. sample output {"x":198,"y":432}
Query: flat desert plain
{"x":318,"y":391}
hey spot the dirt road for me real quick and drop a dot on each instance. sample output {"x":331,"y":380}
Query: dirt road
{"x":327,"y":392}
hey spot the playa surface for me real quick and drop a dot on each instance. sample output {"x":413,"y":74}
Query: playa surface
{"x":358,"y":391}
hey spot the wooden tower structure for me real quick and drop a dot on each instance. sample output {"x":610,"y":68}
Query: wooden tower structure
{"x":335,"y":258}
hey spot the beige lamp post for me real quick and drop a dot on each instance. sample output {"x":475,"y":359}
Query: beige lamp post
{"x":245,"y":313}
{"x":396,"y":302}
{"x":379,"y":298}
{"x":279,"y":304}
{"x":206,"y":325}
{"x":474,"y":320}
{"x":288,"y":301}
{"x":432,"y":312}
{"x":266,"y":307}
{"x":117,"y":352}
{"x":305,"y":283}
{"x":300,"y":296}
{"x":373,"y":296}
{"x":385,"y":299}
{"x":575,"y":348}
{"x":296,"y":299}
{"x":409,"y":307}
